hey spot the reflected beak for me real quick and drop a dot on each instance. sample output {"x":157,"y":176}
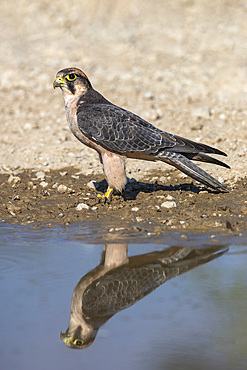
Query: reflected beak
{"x":66,"y":338}
{"x":59,"y":82}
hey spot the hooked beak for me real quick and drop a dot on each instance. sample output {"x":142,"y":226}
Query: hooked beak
{"x":59,"y":82}
{"x":66,"y":338}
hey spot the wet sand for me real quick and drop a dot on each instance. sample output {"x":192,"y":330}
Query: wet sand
{"x":67,"y":196}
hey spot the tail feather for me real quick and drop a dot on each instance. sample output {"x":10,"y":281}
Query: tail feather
{"x":189,"y":168}
{"x":205,"y":158}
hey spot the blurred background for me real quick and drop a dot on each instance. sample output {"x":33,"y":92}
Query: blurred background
{"x":181,"y":65}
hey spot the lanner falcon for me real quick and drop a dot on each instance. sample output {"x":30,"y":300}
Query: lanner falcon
{"x":120,"y":281}
{"x":116,"y":133}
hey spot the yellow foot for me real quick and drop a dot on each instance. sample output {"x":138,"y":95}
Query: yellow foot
{"x":107,"y":195}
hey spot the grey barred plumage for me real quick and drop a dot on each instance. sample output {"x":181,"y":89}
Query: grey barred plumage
{"x":116,"y":134}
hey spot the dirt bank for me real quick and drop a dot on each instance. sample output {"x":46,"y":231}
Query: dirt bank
{"x":68,"y":196}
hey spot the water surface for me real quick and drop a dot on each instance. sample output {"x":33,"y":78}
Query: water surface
{"x":194,"y":320}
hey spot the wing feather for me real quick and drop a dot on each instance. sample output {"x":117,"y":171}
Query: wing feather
{"x":121,"y":131}
{"x":124,"y":132}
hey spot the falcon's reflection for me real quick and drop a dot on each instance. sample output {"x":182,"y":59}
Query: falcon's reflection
{"x":118,"y":282}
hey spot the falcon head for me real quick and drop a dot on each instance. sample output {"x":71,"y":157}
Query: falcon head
{"x":72,"y":81}
{"x":77,"y":338}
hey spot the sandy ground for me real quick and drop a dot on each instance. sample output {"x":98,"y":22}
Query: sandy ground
{"x":181,"y":65}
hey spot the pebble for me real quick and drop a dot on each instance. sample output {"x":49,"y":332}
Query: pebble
{"x":62,"y":188}
{"x":202,"y":112}
{"x":169,"y":204}
{"x":139,"y":219}
{"x":222,"y":116}
{"x":148,"y":95}
{"x":12,"y":209}
{"x":91,"y":185}
{"x":82,"y":206}
{"x":220,"y":179}
{"x":170,"y":197}
{"x":40,"y":175}
{"x":94,"y":208}
{"x":13,"y":179}
{"x":164,"y":178}
{"x":6,"y":168}
{"x":44,"y":184}
{"x":169,"y":222}
{"x":134,"y":209}
{"x":17,"y":197}
{"x":183,"y":236}
{"x":63,"y":173}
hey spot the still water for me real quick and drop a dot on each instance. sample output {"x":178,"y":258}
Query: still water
{"x":136,"y":304}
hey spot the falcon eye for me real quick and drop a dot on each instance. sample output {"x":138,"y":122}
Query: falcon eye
{"x":78,"y":342}
{"x":71,"y":77}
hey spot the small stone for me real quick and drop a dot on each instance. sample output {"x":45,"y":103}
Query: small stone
{"x":40,"y":175}
{"x":169,"y":204}
{"x":202,"y":112}
{"x":28,"y":126}
{"x":183,"y":236}
{"x":170,"y":197}
{"x":94,"y":208}
{"x":62,"y":188}
{"x":14,"y":179}
{"x":148,"y":95}
{"x":64,"y":173}
{"x":82,"y":206}
{"x":55,"y":186}
{"x":134,"y":209}
{"x":169,"y":222}
{"x":44,"y":184}
{"x":164,"y":178}
{"x":139,"y":219}
{"x":13,"y":209}
{"x":6,"y":168}
{"x":17,"y":197}
{"x":91,"y":185}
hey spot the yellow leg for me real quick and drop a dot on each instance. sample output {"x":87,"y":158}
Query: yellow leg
{"x":107,"y":195}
